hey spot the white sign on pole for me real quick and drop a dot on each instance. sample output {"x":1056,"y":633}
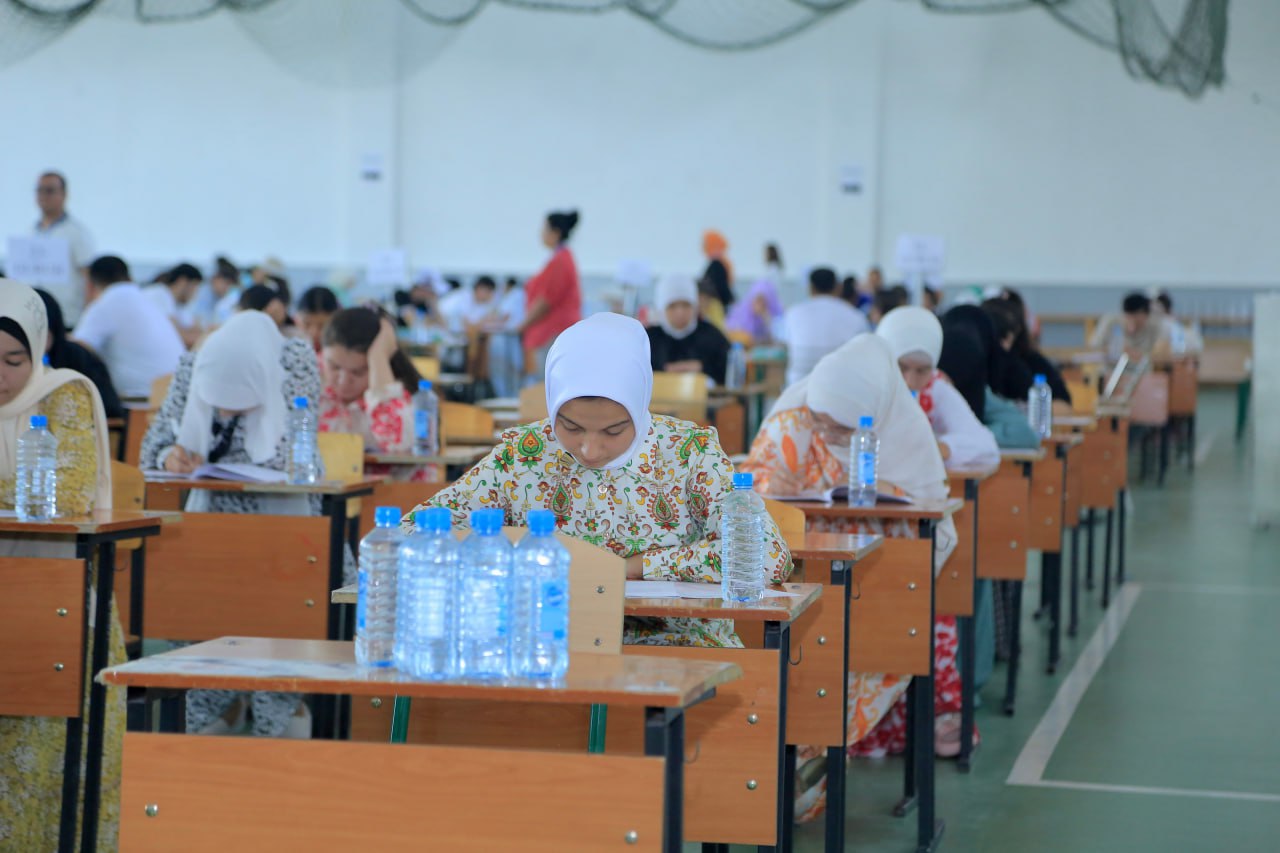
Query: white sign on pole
{"x":389,"y":267}
{"x":38,"y":260}
{"x":920,"y":254}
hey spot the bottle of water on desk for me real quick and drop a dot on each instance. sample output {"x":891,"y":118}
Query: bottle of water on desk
{"x":541,"y":605}
{"x":735,"y":375}
{"x":426,"y":420}
{"x":742,"y":542}
{"x":426,"y":615}
{"x":1040,"y":407}
{"x":304,"y":454}
{"x":484,"y":599}
{"x":864,"y":463}
{"x":36,"y":487}
{"x":376,"y":590}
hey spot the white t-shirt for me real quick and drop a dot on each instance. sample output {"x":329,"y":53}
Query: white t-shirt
{"x":132,"y":335}
{"x":70,"y":295}
{"x":815,"y":327}
{"x":954,"y":424}
{"x":162,"y":296}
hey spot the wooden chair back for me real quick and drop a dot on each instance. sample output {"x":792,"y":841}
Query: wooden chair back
{"x":159,"y":390}
{"x":1225,"y":362}
{"x":42,"y":633}
{"x":789,"y":518}
{"x":343,"y":455}
{"x":1184,"y":380}
{"x":682,"y":395}
{"x":1084,"y":396}
{"x":395,"y":493}
{"x":533,"y":403}
{"x":428,"y":367}
{"x":136,"y":421}
{"x":128,"y":492}
{"x":1150,"y":401}
{"x":464,"y":420}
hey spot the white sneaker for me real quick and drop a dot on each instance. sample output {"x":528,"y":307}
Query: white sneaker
{"x":299,"y":726}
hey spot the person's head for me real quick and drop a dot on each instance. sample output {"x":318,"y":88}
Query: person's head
{"x":676,"y":298}
{"x":23,"y":322}
{"x":51,"y":195}
{"x":714,"y":244}
{"x":875,"y":279}
{"x":914,"y":336}
{"x":931,"y":298}
{"x":599,"y":383}
{"x":512,"y":283}
{"x":772,"y":255}
{"x":885,"y":300}
{"x":849,"y":289}
{"x":822,"y":281}
{"x":345,"y":348}
{"x":57,"y":325}
{"x":1164,"y":303}
{"x":260,"y":297}
{"x":280,"y":285}
{"x":316,"y":305}
{"x":106,"y":271}
{"x":1137,"y":312}
{"x":483,"y":290}
{"x":183,"y":282}
{"x":558,"y":226}
{"x":1010,"y":326}
{"x":225,"y":277}
{"x":858,"y":380}
{"x":971,"y":355}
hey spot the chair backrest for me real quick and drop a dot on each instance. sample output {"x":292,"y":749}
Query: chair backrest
{"x":395,"y":493}
{"x":683,"y":395}
{"x":1184,"y":378}
{"x":428,"y":367}
{"x":1225,"y":361}
{"x":128,"y":487}
{"x":160,"y":390}
{"x":789,"y":518}
{"x":137,"y":421}
{"x":464,"y":420}
{"x":533,"y":403}
{"x":343,"y":455}
{"x":1084,"y":396}
{"x":1149,"y":405}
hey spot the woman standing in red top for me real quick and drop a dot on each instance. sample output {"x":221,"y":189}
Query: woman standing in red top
{"x":553,"y":297}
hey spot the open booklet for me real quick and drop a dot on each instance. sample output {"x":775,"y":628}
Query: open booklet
{"x":837,"y":494}
{"x":237,"y":471}
{"x":687,"y":589}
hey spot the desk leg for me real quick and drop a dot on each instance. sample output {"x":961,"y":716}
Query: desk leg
{"x":597,"y":728}
{"x":1164,"y":453}
{"x":137,"y":588}
{"x":1074,"y":624}
{"x":1051,"y":579}
{"x":777,"y":636}
{"x":327,"y":723}
{"x":968,"y":674}
{"x":173,"y":709}
{"x":837,"y":757}
{"x":106,"y":560}
{"x":1121,"y":498}
{"x":70,"y":785}
{"x":1015,"y":644}
{"x":1088,"y":554}
{"x":1106,"y":560}
{"x":664,"y":736}
{"x":400,"y":708}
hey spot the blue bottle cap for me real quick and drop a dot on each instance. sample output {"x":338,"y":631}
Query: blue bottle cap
{"x":1040,"y":379}
{"x":45,"y":361}
{"x":867,"y":422}
{"x":542,"y":521}
{"x":39,"y":422}
{"x":386,"y":516}
{"x":485,"y":523}
{"x":437,"y":519}
{"x":301,"y":403}
{"x":424,"y":384}
{"x":499,"y":516}
{"x":737,"y":344}
{"x":743,"y":480}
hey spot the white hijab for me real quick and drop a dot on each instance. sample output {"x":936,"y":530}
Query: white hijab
{"x":24,"y":306}
{"x":676,"y":288}
{"x":605,"y":355}
{"x":910,"y":329}
{"x":238,"y":368}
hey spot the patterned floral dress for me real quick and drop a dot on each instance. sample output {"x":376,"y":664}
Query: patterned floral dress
{"x":31,"y":748}
{"x":664,"y":504}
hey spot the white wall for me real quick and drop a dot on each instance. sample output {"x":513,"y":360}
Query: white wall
{"x":1028,"y":148}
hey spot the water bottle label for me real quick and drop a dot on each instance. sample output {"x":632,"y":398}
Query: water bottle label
{"x":553,"y":615}
{"x":422,"y":425}
{"x":362,"y":599}
{"x":866,"y":469}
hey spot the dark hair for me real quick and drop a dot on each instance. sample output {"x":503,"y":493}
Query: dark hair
{"x":933,"y":293}
{"x":1008,"y":319}
{"x":823,"y":280}
{"x":281,"y":286}
{"x":355,"y":329}
{"x":318,"y":300}
{"x":485,"y":281}
{"x":184,"y":270}
{"x":772,"y":255}
{"x":563,"y":223}
{"x":258,"y":297}
{"x":53,"y":311}
{"x":1015,"y":297}
{"x":223,"y":268}
{"x":849,"y":289}
{"x":1137,"y":303}
{"x":62,"y":179}
{"x":454,"y":284}
{"x":512,"y":282}
{"x":10,"y":325}
{"x":891,"y":297}
{"x":163,"y":277}
{"x":1165,"y":300}
{"x":108,"y":270}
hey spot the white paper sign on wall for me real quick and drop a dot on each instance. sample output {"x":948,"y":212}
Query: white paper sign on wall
{"x":37,"y":260}
{"x":388,"y":267}
{"x":923,"y":255}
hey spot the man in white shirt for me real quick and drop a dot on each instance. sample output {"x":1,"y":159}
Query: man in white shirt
{"x":818,"y":325}
{"x":127,"y":329}
{"x":51,"y":196}
{"x":174,"y":293}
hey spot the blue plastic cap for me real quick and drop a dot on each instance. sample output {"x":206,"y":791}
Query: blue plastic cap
{"x":39,"y":422}
{"x":386,"y":516}
{"x":424,"y":384}
{"x":737,"y":344}
{"x":542,"y":521}
{"x":866,"y":422}
{"x":437,"y":519}
{"x":743,"y":480}
{"x":1040,"y":379}
{"x":45,"y":361}
{"x":301,"y":403}
{"x":485,"y":522}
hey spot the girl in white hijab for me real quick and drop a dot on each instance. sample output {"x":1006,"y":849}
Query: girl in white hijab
{"x":647,"y":487}
{"x":31,"y":748}
{"x":682,"y":342}
{"x":914,"y":336}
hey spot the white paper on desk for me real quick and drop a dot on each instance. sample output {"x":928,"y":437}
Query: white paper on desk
{"x":838,"y":493}
{"x":161,"y":474}
{"x":686,"y":589}
{"x":241,"y":472}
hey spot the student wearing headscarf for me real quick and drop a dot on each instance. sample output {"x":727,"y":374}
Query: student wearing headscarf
{"x":228,"y":403}
{"x":759,"y":313}
{"x":647,"y":487}
{"x":914,"y":336}
{"x":719,"y":272}
{"x":66,"y":353}
{"x":803,"y":445}
{"x":681,"y":342}
{"x":31,"y":748}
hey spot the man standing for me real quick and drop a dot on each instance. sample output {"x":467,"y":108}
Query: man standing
{"x":51,"y":196}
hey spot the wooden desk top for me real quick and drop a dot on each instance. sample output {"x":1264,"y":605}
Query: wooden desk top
{"x":812,"y":545}
{"x":977,"y":474}
{"x":329,"y":667}
{"x":464,"y":455}
{"x":785,"y":608}
{"x":99,"y":521}
{"x":1021,"y":455}
{"x":500,"y":403}
{"x":329,"y":487}
{"x":1085,"y":422}
{"x":1068,"y":439}
{"x":907,"y":512}
{"x":1116,"y":410}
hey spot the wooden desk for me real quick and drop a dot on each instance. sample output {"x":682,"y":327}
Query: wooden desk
{"x":47,"y":674}
{"x":461,"y":456}
{"x":402,"y":801}
{"x":1050,"y":488}
{"x":751,"y":396}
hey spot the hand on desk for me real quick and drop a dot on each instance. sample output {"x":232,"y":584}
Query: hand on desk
{"x":180,"y":461}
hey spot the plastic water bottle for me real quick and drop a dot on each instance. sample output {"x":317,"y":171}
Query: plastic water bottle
{"x":484,"y":599}
{"x":304,"y":454}
{"x":864,"y":458}
{"x":541,"y":605}
{"x":735,"y":375}
{"x":426,"y":420}
{"x":36,"y":488}
{"x":426,"y":618}
{"x":742,"y":542}
{"x":1040,"y":407}
{"x":376,"y":591}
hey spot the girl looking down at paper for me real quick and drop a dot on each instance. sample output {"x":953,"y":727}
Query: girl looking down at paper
{"x":647,"y":487}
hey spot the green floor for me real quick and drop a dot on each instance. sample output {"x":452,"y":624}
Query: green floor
{"x":1187,"y":701}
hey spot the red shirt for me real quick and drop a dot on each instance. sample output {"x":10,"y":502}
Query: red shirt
{"x":558,"y":285}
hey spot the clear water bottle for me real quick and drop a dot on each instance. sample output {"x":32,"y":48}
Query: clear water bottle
{"x":735,"y":374}
{"x":376,"y":590}
{"x":742,"y":542}
{"x":484,"y":599}
{"x":304,"y":453}
{"x":426,"y":420}
{"x":540,"y":645}
{"x":1040,"y":407}
{"x":426,"y":618}
{"x":36,"y":487}
{"x":864,"y":459}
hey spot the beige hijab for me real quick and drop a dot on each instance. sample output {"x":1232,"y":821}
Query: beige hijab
{"x":24,"y":306}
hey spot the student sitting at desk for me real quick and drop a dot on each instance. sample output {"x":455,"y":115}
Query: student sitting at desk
{"x":915,"y":337}
{"x":31,"y":748}
{"x":647,"y":487}
{"x":368,"y":389}
{"x":66,"y":353}
{"x":1011,"y":331}
{"x":978,"y":368}
{"x":228,"y":403}
{"x":682,"y":342}
{"x":1134,"y":333}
